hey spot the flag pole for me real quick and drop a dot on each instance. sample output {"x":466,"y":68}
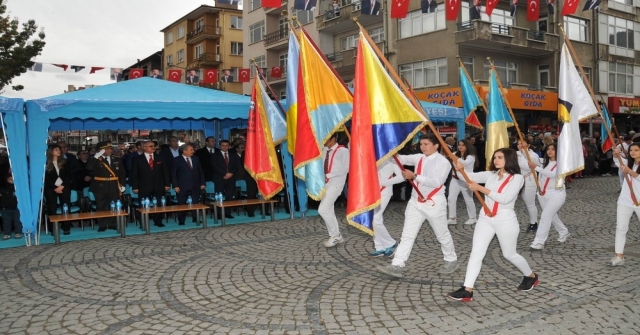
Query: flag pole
{"x":416,"y":104}
{"x":515,"y":123}
{"x":464,"y":69}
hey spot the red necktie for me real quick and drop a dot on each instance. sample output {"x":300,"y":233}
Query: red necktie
{"x":151,"y":161}
{"x":326,"y":162}
{"x":189,"y":163}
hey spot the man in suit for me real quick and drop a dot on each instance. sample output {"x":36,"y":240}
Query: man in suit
{"x":227,"y":77}
{"x":116,"y":74}
{"x":187,"y":179}
{"x":72,"y":160}
{"x":514,"y":7}
{"x":370,"y":7}
{"x":474,"y":11}
{"x":192,"y":78}
{"x":150,"y":176}
{"x":205,"y":155}
{"x":108,"y":181}
{"x":305,"y":4}
{"x":172,"y":151}
{"x":155,"y":73}
{"x":429,"y":6}
{"x":225,"y":167}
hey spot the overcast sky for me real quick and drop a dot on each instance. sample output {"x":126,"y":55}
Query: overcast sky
{"x":89,"y":33}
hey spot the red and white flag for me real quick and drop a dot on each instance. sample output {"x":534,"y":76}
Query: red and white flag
{"x":533,"y":10}
{"x":570,"y":7}
{"x":95,"y":68}
{"x":63,"y":66}
{"x":453,"y":7}
{"x":175,"y":75}
{"x":491,"y":4}
{"x":210,"y":76}
{"x":271,"y":3}
{"x":276,"y":72}
{"x":135,"y":73}
{"x":243,"y":75}
{"x":399,"y":9}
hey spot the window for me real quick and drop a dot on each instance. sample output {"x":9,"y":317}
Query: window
{"x":256,"y":32}
{"x":417,"y":23}
{"x":255,"y":4}
{"x":620,"y":78}
{"x":236,"y":48}
{"x":542,"y":24}
{"x":428,"y":73}
{"x":199,"y":50}
{"x":180,"y":32}
{"x":621,"y":5}
{"x":304,"y":16}
{"x":262,"y":63}
{"x":236,"y":22}
{"x":282,"y":62}
{"x":349,"y":42}
{"x":468,"y":65}
{"x":169,"y":59}
{"x":543,"y":75}
{"x":577,"y":29}
{"x":377,"y":34}
{"x":507,"y":71}
{"x":180,"y":56}
{"x":169,"y":38}
{"x":283,"y":95}
{"x":620,"y":32}
{"x":199,"y":25}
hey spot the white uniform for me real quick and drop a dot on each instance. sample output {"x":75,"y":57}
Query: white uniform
{"x":431,"y":174}
{"x":459,"y":185}
{"x":336,"y":177}
{"x":626,"y":208}
{"x":504,"y":224}
{"x":551,"y":200}
{"x":389,"y":173}
{"x":530,"y":188}
{"x":624,"y":149}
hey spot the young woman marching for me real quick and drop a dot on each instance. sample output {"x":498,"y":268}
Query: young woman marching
{"x":502,"y":184}
{"x":627,"y":200}
{"x":465,"y":155}
{"x":530,"y":188}
{"x":389,"y":173}
{"x":551,"y":200}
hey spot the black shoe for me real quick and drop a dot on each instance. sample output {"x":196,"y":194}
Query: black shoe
{"x":66,"y":232}
{"x":180,"y":223}
{"x":229,"y":216}
{"x":533,"y":228}
{"x":102,"y":229}
{"x":159,"y":225}
{"x":461,"y":295}
{"x":528,"y":283}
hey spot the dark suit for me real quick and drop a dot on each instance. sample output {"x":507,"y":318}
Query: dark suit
{"x":189,"y":180}
{"x":156,"y":76}
{"x":513,"y":10}
{"x":366,"y":8}
{"x":116,"y":76}
{"x":220,"y":168}
{"x":227,"y":79}
{"x":474,"y":13}
{"x":428,"y":6}
{"x":193,"y":80}
{"x":206,"y":160}
{"x":106,"y":191}
{"x":150,"y":183}
{"x":51,"y":197}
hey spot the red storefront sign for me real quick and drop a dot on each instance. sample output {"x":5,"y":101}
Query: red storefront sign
{"x":447,"y":130}
{"x":622,"y":105}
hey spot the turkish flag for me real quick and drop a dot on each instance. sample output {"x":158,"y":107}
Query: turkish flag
{"x":453,"y":7}
{"x":175,"y":75}
{"x":399,"y":9}
{"x":63,"y":66}
{"x":94,"y":69}
{"x":491,"y":4}
{"x":135,"y":73}
{"x":243,"y":75}
{"x":271,"y":3}
{"x":210,"y":76}
{"x":570,"y":7}
{"x":533,"y":10}
{"x":276,"y":72}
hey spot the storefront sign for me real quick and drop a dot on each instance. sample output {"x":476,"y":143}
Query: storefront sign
{"x":443,"y":96}
{"x":447,"y":130}
{"x":528,"y":100}
{"x":621,"y":105}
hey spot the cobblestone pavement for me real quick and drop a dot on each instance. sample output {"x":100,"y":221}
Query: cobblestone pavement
{"x":277,"y":278}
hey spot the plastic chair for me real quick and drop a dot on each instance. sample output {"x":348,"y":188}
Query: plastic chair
{"x":241,"y":189}
{"x":74,"y":207}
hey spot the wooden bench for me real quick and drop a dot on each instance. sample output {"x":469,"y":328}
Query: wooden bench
{"x":56,"y":219}
{"x":243,"y":202}
{"x":169,"y":209}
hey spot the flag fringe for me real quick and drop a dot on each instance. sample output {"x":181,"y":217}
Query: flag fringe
{"x":562,"y":176}
{"x":360,"y":211}
{"x":272,"y":194}
{"x":402,"y":144}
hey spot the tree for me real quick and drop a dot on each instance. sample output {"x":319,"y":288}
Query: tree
{"x":17,"y":47}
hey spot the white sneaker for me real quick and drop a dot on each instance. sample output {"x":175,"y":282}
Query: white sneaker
{"x":537,"y":246}
{"x":452,"y":221}
{"x":471,"y":221}
{"x":333,"y":241}
{"x":563,"y":238}
{"x":616,"y":261}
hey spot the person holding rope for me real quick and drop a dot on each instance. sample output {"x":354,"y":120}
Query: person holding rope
{"x":108,"y":181}
{"x":628,"y":200}
{"x":502,"y":185}
{"x":551,"y":199}
{"x":530,"y":187}
{"x":430,"y":175}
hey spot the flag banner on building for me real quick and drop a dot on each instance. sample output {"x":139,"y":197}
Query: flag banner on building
{"x":76,"y":68}
{"x":399,"y":9}
{"x":36,"y":67}
{"x":591,"y":5}
{"x":243,"y":75}
{"x":491,"y":5}
{"x":293,"y":62}
{"x":370,"y":7}
{"x":451,"y":9}
{"x":304,"y":4}
{"x":383,"y":121}
{"x":570,"y":7}
{"x":326,"y":108}
{"x":514,"y":7}
{"x":175,"y":76}
{"x":261,"y":160}
{"x":137,"y":73}
{"x":276,"y":72}
{"x":470,"y":100}
{"x":62,"y":66}
{"x":428,"y":6}
{"x":574,"y":105}
{"x":271,"y":3}
{"x":498,"y":119}
{"x":210,"y":76}
{"x":115,"y":73}
{"x":605,"y":128}
{"x":551,"y":7}
{"x":94,"y":69}
{"x":533,"y":10}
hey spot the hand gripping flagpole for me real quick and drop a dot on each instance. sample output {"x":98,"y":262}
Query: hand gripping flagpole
{"x":515,"y":123}
{"x":416,"y":104}
{"x":576,"y":60}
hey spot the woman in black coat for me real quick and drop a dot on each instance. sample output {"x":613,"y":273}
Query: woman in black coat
{"x":57,"y":183}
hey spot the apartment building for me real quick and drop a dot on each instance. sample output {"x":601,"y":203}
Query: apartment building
{"x":209,"y":37}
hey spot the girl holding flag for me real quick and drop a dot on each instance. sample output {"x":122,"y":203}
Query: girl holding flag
{"x":627,"y":201}
{"x":465,"y":155}
{"x":530,"y":187}
{"x":389,"y":174}
{"x":502,"y":185}
{"x":551,"y":199}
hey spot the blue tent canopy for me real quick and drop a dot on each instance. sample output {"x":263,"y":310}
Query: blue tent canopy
{"x":140,"y":103}
{"x":444,"y":113}
{"x":15,"y":129}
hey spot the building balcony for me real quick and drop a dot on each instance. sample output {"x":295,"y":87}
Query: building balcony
{"x":345,"y":61}
{"x":205,"y":59}
{"x":276,"y":11}
{"x":508,"y":39}
{"x":336,"y":22}
{"x":202,"y":33}
{"x":277,"y":39}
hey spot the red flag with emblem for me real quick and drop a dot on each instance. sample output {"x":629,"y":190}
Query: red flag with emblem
{"x":135,"y":73}
{"x":491,"y":4}
{"x":210,"y":76}
{"x":243,"y":75}
{"x":570,"y":7}
{"x":175,"y":75}
{"x":533,"y":10}
{"x":453,"y":7}
{"x":399,"y":9}
{"x":271,"y":3}
{"x":276,"y":72}
{"x":94,"y":69}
